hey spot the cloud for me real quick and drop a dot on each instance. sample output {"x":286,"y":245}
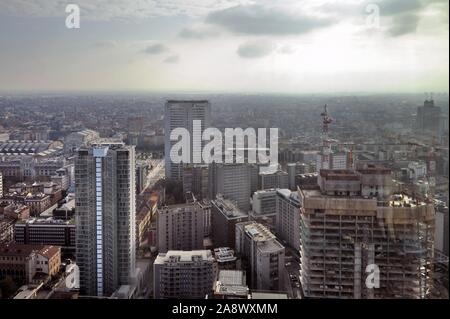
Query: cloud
{"x":404,"y":24}
{"x":262,"y":20}
{"x":106,"y":44}
{"x":394,"y":7}
{"x":287,"y":49}
{"x":157,"y":48}
{"x":172,"y":59}
{"x":117,"y":9}
{"x":255,"y":49}
{"x":196,"y":34}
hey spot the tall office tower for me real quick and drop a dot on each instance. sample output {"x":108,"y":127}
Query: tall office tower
{"x":224,"y":217}
{"x":105,"y":216}
{"x":263,"y":255}
{"x":195,"y":180}
{"x":428,"y":118}
{"x":354,"y":226}
{"x":294,"y":169}
{"x":181,"y":114}
{"x":184,"y":275}
{"x":278,"y":179}
{"x":288,"y":217}
{"x":180,"y":227}
{"x":233,"y":181}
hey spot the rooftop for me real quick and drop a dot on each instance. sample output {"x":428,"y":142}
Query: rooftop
{"x":183,"y":256}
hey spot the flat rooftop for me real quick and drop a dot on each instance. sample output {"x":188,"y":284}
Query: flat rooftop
{"x":183,"y":256}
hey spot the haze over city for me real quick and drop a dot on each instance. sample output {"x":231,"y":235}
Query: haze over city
{"x":266,"y":46}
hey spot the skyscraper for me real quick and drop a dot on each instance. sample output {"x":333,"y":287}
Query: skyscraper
{"x":105,"y":216}
{"x":428,"y":117}
{"x":181,"y":114}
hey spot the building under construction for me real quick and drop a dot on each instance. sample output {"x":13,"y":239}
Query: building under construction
{"x":360,"y":240}
{"x":352,"y":224}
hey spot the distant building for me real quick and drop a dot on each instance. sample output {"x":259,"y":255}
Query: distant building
{"x":233,"y":181}
{"x":195,"y":180}
{"x":75,"y":140}
{"x":47,"y":231}
{"x":268,"y":180}
{"x":306,"y":181}
{"x":264,"y":207}
{"x":181,"y":114}
{"x":224,"y":217}
{"x":294,"y":169}
{"x":180,"y":227}
{"x":428,"y":118}
{"x":441,"y":234}
{"x":27,"y":147}
{"x":263,"y":255}
{"x":288,"y":217}
{"x":264,"y":203}
{"x":141,"y":176}
{"x":183,"y":275}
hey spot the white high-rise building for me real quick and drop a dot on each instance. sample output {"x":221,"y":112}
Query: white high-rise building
{"x":181,"y":114}
{"x":184,"y":275}
{"x":105,"y":216}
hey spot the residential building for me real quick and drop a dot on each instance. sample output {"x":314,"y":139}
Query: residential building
{"x":263,"y":256}
{"x":233,"y":181}
{"x":183,"y":275}
{"x":180,"y":227}
{"x":288,"y":217}
{"x":105,"y":216}
{"x":224,"y":217}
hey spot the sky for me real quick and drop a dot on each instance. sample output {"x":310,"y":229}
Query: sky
{"x":266,"y":46}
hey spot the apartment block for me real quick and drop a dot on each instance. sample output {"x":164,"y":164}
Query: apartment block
{"x":180,"y":227}
{"x":263,"y":255}
{"x":184,"y":275}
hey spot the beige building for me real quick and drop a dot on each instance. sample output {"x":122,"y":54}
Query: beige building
{"x":180,"y":227}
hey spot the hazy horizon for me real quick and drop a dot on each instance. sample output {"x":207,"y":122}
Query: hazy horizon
{"x":233,"y":46}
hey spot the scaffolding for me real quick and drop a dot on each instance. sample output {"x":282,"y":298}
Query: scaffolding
{"x":340,"y":237}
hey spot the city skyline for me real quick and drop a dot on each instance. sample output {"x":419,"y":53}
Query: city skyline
{"x":226,"y":46}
